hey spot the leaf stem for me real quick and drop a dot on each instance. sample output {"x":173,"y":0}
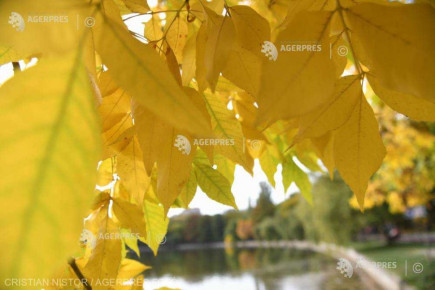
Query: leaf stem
{"x":72,"y":263}
{"x":346,"y":32}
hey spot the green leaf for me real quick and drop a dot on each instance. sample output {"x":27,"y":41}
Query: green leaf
{"x":292,"y":173}
{"x":214,"y":184}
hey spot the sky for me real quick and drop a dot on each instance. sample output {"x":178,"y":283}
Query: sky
{"x":246,"y":188}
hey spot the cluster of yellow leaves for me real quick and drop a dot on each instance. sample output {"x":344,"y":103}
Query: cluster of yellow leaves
{"x":180,"y":105}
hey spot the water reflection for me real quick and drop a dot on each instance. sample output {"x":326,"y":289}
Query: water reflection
{"x":240,"y":269}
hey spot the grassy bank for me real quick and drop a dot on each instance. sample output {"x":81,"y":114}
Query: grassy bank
{"x":406,"y":258}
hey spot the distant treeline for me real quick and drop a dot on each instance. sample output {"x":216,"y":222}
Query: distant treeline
{"x":330,"y":219}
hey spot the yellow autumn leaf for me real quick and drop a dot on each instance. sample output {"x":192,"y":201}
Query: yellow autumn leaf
{"x":189,"y":190}
{"x":176,"y":34}
{"x":225,"y":167}
{"x":130,"y":269}
{"x":269,"y":163}
{"x":287,"y":89}
{"x":416,"y":108}
{"x":8,"y":54}
{"x":138,"y":6}
{"x":325,"y":147}
{"x":172,"y":149}
{"x":153,"y":29}
{"x":130,"y":216}
{"x":105,"y":258}
{"x":157,"y":224}
{"x":243,"y":68}
{"x":200,"y":56}
{"x":49,"y":151}
{"x":296,"y":6}
{"x":131,"y":169}
{"x":173,"y":164}
{"x":396,"y":44}
{"x":220,"y":36}
{"x":189,"y":60}
{"x":161,"y":94}
{"x":106,"y":169}
{"x":147,"y":128}
{"x":358,"y":149}
{"x":251,"y":28}
{"x":114,"y":107}
{"x":227,"y":129}
{"x":336,"y":112}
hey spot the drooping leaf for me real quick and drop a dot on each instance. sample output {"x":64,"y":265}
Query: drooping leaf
{"x":243,"y":68}
{"x":336,"y":112}
{"x":269,"y":165}
{"x":130,"y":269}
{"x":227,"y":129}
{"x":130,"y":168}
{"x":292,"y":173}
{"x":153,"y":30}
{"x":189,"y":190}
{"x":157,"y":225}
{"x":189,"y":60}
{"x":176,"y":35}
{"x":214,"y":184}
{"x":358,"y":149}
{"x":325,"y":147}
{"x":130,"y":216}
{"x":105,"y":258}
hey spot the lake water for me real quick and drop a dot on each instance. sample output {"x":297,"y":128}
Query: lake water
{"x":246,"y":269}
